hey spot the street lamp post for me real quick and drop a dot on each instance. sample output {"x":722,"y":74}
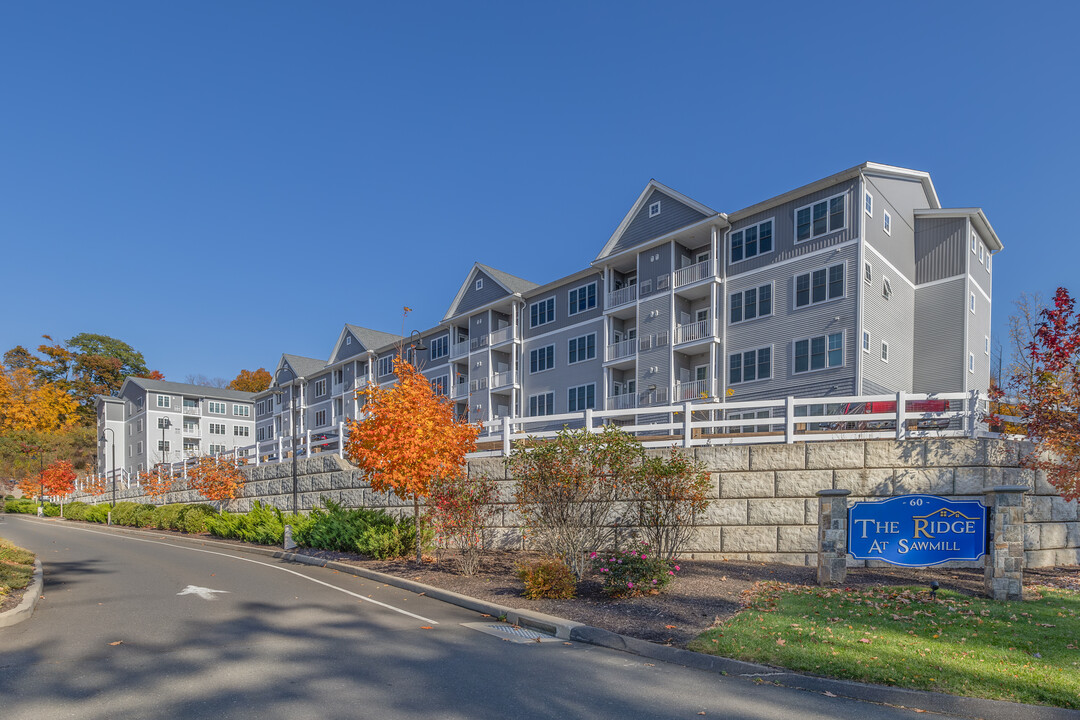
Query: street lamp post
{"x":113,"y":442}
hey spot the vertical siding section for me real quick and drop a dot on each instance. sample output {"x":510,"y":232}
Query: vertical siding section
{"x":940,"y":244}
{"x":939,"y":362}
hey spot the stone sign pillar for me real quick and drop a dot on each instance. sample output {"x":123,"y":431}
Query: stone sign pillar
{"x":832,"y":536}
{"x":1004,"y":578}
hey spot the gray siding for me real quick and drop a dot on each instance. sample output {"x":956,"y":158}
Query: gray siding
{"x":564,"y":375}
{"x":891,"y":321}
{"x":652,"y":265}
{"x":350,"y":349}
{"x":900,"y":198}
{"x":783,"y":217}
{"x":563,"y":318}
{"x":474,"y":298}
{"x":939,"y":361}
{"x":978,"y":329}
{"x":977,"y":268}
{"x":940,"y":244}
{"x":673,"y":215}
{"x":658,"y":355}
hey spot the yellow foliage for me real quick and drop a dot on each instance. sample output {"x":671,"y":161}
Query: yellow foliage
{"x":27,"y":405}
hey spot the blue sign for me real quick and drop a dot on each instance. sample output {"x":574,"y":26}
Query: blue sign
{"x":917,"y":530}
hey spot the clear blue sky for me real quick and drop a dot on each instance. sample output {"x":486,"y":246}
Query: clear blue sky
{"x":220,"y":182}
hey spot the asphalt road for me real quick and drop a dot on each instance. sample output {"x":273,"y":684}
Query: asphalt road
{"x":141,"y":628}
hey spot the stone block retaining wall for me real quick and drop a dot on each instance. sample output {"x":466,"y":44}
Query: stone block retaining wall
{"x":763,"y":506}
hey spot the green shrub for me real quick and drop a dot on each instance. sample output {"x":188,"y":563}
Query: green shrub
{"x":51,"y":510}
{"x":21,"y":505}
{"x":75,"y":510}
{"x":547,"y":579}
{"x":626,"y":573}
{"x":335,"y":528}
{"x":123,"y":513}
{"x":392,"y":539}
{"x":144,"y":516}
{"x":97,"y":513}
{"x":264,"y":525}
{"x":167,"y":517}
{"x":194,"y":518}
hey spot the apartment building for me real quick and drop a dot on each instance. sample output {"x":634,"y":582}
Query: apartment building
{"x":858,"y":283}
{"x":154,"y":421}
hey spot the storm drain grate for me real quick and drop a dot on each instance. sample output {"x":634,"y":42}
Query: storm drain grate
{"x":512,"y":633}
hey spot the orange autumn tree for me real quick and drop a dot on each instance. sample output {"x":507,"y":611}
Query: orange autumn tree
{"x":216,"y":478}
{"x":157,"y":482}
{"x":59,"y":479}
{"x":252,"y":380}
{"x":31,"y":486}
{"x":409,"y":438}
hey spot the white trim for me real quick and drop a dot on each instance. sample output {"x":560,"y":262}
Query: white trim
{"x":577,"y":338}
{"x":772,"y":303}
{"x":479,"y":284}
{"x":578,"y":387}
{"x":886,"y":222}
{"x":981,"y":291}
{"x":740,"y":353}
{"x":986,"y":344}
{"x":827,"y":300}
{"x":572,"y":290}
{"x":798,"y":258}
{"x":868,"y":210}
{"x":541,"y":336}
{"x":640,"y":202}
{"x":868,"y":272}
{"x":886,"y":288}
{"x":809,"y":354}
{"x":772,"y":235}
{"x":971,"y":362}
{"x":551,"y":405}
{"x":654,"y":209}
{"x":890,"y":265}
{"x":554,"y":310}
{"x":942,"y":281}
{"x":866,"y":341}
{"x":828,"y":207}
{"x":537,"y":350}
{"x":884,"y":351}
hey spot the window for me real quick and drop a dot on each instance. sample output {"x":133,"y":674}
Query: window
{"x":543,"y":404}
{"x":320,"y":387}
{"x":887,"y":222}
{"x":581,"y":397}
{"x":986,"y":344}
{"x":819,"y":286}
{"x":971,"y":302}
{"x":866,"y":340}
{"x":386,"y":365}
{"x":241,"y":431}
{"x":348,"y":339}
{"x":138,"y":426}
{"x":217,"y":408}
{"x":542,"y":359}
{"x":583,"y":298}
{"x":439,"y":385}
{"x":164,"y":401}
{"x":884,"y":351}
{"x":440,"y":347}
{"x":542,"y":312}
{"x":479,"y":283}
{"x":702,"y":257}
{"x":971,"y":362}
{"x":868,"y":204}
{"x":973,"y":241}
{"x":138,"y":448}
{"x":654,"y":209}
{"x":129,"y":451}
{"x":752,"y":241}
{"x":241,"y":411}
{"x":582,"y":348}
{"x":886,"y":288}
{"x":162,"y":423}
{"x":752,"y":303}
{"x":750,"y":365}
{"x":819,"y":353}
{"x":163,"y":446}
{"x":339,"y":375}
{"x":819,"y":219}
{"x":217,"y":428}
{"x":216,"y":449}
{"x":988,"y":261}
{"x":320,"y":418}
{"x":868,"y":273}
{"x":982,"y":249}
{"x":261,"y":436}
{"x":190,"y":427}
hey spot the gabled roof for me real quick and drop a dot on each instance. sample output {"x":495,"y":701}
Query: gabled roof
{"x":640,"y":202}
{"x":302,"y":366}
{"x":368,"y":338}
{"x":512,"y":284}
{"x":976,"y":215}
{"x":187,"y":389}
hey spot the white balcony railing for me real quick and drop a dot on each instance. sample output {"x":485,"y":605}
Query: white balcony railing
{"x":500,"y":336}
{"x":192,"y":431}
{"x":459,"y":391}
{"x":459,"y":349}
{"x":692,"y":273}
{"x":478,"y":384}
{"x":337,"y":388}
{"x":502,"y":379}
{"x":626,"y":401}
{"x":622,"y":349}
{"x":693,"y":390}
{"x":192,"y":410}
{"x":692,"y":331}
{"x":622,"y":296}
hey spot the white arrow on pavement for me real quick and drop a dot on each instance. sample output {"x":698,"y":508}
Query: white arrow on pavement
{"x":204,"y":593}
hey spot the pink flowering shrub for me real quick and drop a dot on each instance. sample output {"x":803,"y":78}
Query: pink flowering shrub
{"x":626,"y":573}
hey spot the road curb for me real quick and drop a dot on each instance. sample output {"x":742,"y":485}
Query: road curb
{"x":31,"y":595}
{"x":956,"y":705}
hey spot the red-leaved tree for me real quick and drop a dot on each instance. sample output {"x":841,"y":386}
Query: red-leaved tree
{"x":216,"y":478}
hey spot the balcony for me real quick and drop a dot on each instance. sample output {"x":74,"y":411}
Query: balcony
{"x":502,"y":335}
{"x":337,"y":388}
{"x":693,"y":332}
{"x":622,"y":296}
{"x":458,"y":350}
{"x":502,"y":379}
{"x":692,"y":273}
{"x":192,"y":431}
{"x":693,"y":390}
{"x":192,"y":410}
{"x":478,"y":343}
{"x":461,"y":390}
{"x":626,"y":401}
{"x":478,"y":384}
{"x":621,"y":349}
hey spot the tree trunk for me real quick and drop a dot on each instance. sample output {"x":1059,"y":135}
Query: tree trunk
{"x":416,"y":523}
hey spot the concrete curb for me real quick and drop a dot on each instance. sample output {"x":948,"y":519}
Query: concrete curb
{"x":31,"y":595}
{"x":956,"y":705}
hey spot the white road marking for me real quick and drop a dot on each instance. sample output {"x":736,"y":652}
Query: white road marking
{"x":204,"y":593}
{"x":361,"y":598}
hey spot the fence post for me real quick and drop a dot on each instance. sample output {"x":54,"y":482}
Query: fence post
{"x":973,"y":413}
{"x":506,"y":436}
{"x":307,"y":444}
{"x":687,"y":416}
{"x":588,"y":420}
{"x":901,"y":421}
{"x":1004,"y":574}
{"x":832,"y":536}
{"x":341,"y":440}
{"x":789,"y":420}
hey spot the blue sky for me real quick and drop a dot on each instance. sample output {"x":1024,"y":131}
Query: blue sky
{"x":219,"y":182}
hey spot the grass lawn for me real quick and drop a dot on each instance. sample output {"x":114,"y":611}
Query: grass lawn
{"x":1021,"y":651}
{"x":16,"y":567}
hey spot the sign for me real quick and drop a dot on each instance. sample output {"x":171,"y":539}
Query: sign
{"x":917,"y":530}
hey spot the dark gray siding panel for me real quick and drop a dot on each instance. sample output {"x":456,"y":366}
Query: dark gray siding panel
{"x":673,"y":215}
{"x":977,"y":267}
{"x":899,"y":198}
{"x":654,"y":264}
{"x":474,"y":298}
{"x":351,"y":347}
{"x":940,"y":244}
{"x":564,"y":375}
{"x":563,"y":318}
{"x":654,"y":364}
{"x":783,"y":217}
{"x":940,"y":364}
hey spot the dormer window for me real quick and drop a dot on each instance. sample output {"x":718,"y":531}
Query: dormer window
{"x":654,"y":209}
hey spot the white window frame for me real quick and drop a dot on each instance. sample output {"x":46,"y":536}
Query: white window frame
{"x":974,"y":239}
{"x":971,"y":362}
{"x":868,"y":204}
{"x":757,"y":364}
{"x":866,"y":341}
{"x":211,"y":430}
{"x":138,"y":448}
{"x":348,"y":339}
{"x":828,"y":214}
{"x":868,"y":273}
{"x":701,"y":257}
{"x":163,"y":449}
{"x":886,"y":288}
{"x":211,"y":404}
{"x":216,"y":449}
{"x":971,"y":303}
{"x":548,"y":404}
{"x":164,"y":401}
{"x":570,"y":298}
{"x":575,"y":390}
{"x":241,"y":431}
{"x":757,"y":304}
{"x":440,"y":344}
{"x":138,"y":425}
{"x":440,"y":385}
{"x":809,"y":353}
{"x":549,"y":312}
{"x":884,"y":351}
{"x":742,"y":233}
{"x":988,"y":263}
{"x":386,"y":361}
{"x":654,"y":209}
{"x":982,"y":253}
{"x":161,"y":423}
{"x":320,"y":418}
{"x":577,"y":347}
{"x":479,"y":284}
{"x":986,"y":344}
{"x":810,"y":273}
{"x":241,"y":411}
{"x":320,"y":387}
{"x":537,"y":353}
{"x":886,"y":222}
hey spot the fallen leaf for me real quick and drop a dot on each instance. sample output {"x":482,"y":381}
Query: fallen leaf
{"x":864,"y":640}
{"x":426,"y":627}
{"x":670,"y":627}
{"x":781,"y":641}
{"x":118,"y":642}
{"x":828,"y":694}
{"x":566,"y":643}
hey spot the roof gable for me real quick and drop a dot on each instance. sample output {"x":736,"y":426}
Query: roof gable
{"x":485,"y":284}
{"x":355,"y":340}
{"x":644,"y":223}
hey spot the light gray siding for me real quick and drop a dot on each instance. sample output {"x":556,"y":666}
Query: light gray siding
{"x":563,"y":318}
{"x":939,"y":361}
{"x":653,"y":265}
{"x":940,"y":244}
{"x":654,"y":363}
{"x":899,"y":198}
{"x":673,"y":215}
{"x":887,"y":320}
{"x":474,"y":298}
{"x":351,"y":347}
{"x":978,"y":329}
{"x":977,"y":266}
{"x":563,"y":375}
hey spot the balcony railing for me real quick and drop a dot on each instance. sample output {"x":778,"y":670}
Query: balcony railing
{"x":460,"y":349}
{"x":502,"y":379}
{"x":192,"y":410}
{"x":622,"y":296}
{"x":478,"y":343}
{"x":459,"y":391}
{"x":692,"y":331}
{"x":622,"y":349}
{"x":502,"y":335}
{"x":626,"y":401}
{"x":192,"y":431}
{"x":478,"y":384}
{"x":693,"y":390}
{"x":692,"y":273}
